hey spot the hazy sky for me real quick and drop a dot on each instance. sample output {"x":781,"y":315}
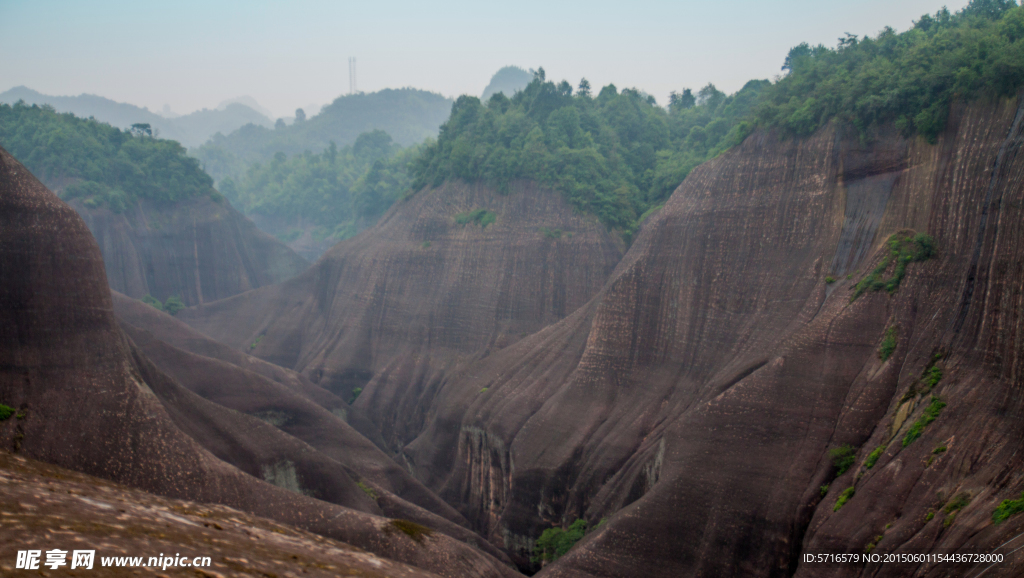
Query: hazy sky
{"x":194,"y":54}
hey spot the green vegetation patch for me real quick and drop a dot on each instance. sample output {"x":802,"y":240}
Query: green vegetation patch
{"x":904,"y":249}
{"x":355,"y":395}
{"x":873,"y":544}
{"x":1008,"y":508}
{"x":367,"y":490}
{"x":106,"y":166}
{"x":481,"y":217}
{"x":932,"y":376}
{"x":172,"y":305}
{"x":909,"y":78}
{"x":614,"y":154}
{"x":6,"y":412}
{"x":930,"y":414}
{"x":556,"y":542}
{"x":888,"y":345}
{"x":415,"y":531}
{"x":955,"y":505}
{"x":340,"y":190}
{"x":843,"y":458}
{"x":873,"y":457}
{"x":844,"y":497}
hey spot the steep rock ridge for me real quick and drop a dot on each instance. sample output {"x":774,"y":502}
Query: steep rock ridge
{"x":198,"y":249}
{"x":312,"y":450}
{"x":399,"y":307}
{"x":695,"y":398}
{"x":87,"y":399}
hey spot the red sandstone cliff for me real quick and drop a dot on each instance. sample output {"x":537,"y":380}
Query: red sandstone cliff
{"x":88,"y":399}
{"x":197,"y":249}
{"x":695,"y":398}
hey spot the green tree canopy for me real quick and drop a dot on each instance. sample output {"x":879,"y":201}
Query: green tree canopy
{"x":104,"y":165}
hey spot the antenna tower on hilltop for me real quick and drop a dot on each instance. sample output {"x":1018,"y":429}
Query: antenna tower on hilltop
{"x":351,"y":74}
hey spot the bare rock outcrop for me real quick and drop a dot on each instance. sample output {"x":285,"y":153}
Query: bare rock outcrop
{"x":197,"y":249}
{"x":694,"y":401}
{"x":88,"y":399}
{"x":448,"y":276}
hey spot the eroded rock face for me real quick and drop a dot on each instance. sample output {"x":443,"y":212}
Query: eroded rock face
{"x":198,"y":249}
{"x":400,"y":307}
{"x":694,"y":400}
{"x":89,"y":400}
{"x":47,"y":507}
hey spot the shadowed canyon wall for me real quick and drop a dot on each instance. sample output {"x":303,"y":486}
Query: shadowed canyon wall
{"x":398,"y":308}
{"x":197,"y":249}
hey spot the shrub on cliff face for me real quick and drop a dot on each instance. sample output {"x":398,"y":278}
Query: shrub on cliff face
{"x":904,"y":249}
{"x":888,"y":345}
{"x":843,"y":458}
{"x":556,"y":542}
{"x":844,"y":497}
{"x":931,"y":413}
{"x":1008,"y":508}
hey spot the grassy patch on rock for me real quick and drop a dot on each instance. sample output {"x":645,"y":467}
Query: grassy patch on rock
{"x":904,"y":249}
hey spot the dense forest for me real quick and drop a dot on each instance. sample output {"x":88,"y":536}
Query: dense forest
{"x":618,"y":155}
{"x":341,"y":191}
{"x":103,"y":165}
{"x":907,"y":78}
{"x":408,"y":115}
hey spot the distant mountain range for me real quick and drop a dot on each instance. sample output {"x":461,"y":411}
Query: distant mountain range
{"x":190,"y":130}
{"x":408,"y":115}
{"x":508,"y":80}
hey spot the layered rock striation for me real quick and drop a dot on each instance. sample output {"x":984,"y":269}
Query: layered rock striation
{"x":197,"y":249}
{"x":695,"y":400}
{"x":88,"y":399}
{"x":446,"y":277}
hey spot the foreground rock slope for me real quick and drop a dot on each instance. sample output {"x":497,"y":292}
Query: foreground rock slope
{"x":46,"y":508}
{"x":88,"y":399}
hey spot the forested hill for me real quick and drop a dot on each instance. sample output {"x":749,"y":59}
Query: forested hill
{"x":409,"y":115}
{"x":331,"y":196}
{"x":618,"y":154}
{"x":615,"y":154}
{"x":102,"y":165}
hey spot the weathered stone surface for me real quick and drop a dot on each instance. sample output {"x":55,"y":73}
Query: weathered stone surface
{"x":277,"y":433}
{"x":89,"y":400}
{"x":44,"y":507}
{"x":398,"y":308}
{"x":198,"y":249}
{"x":694,"y":399}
